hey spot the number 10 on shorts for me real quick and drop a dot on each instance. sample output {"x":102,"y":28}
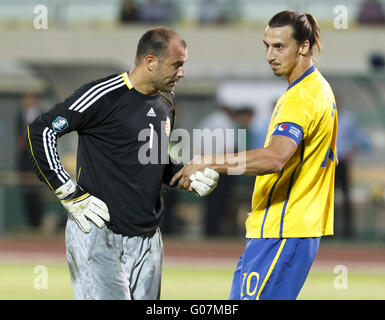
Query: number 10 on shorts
{"x":249,"y":285}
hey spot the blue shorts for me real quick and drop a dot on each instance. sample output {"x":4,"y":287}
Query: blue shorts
{"x":273,"y":269}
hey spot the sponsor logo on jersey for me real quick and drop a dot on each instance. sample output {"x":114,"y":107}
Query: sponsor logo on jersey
{"x":59,"y":124}
{"x":294,"y":131}
{"x":151,"y":113}
{"x":282,"y":127}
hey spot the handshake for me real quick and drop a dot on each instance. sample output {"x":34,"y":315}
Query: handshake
{"x":203,"y":182}
{"x":196,"y":177}
{"x":83,"y":206}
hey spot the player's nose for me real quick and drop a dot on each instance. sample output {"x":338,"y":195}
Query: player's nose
{"x":181,"y":72}
{"x":269,"y":55}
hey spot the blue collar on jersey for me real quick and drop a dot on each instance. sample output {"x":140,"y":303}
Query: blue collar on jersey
{"x":305,"y":74}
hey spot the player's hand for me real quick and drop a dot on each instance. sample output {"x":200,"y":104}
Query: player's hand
{"x":83,"y":206}
{"x":183,"y":175}
{"x":203,"y":183}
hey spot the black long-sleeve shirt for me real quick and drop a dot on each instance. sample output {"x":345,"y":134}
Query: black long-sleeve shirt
{"x":122,"y":155}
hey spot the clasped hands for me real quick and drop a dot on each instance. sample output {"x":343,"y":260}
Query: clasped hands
{"x":196,"y":177}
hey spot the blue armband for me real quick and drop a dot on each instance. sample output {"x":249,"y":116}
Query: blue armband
{"x":290,"y":130}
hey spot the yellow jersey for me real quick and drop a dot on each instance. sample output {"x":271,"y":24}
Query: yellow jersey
{"x":298,"y":201}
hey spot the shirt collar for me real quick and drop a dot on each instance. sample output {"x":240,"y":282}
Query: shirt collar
{"x":304,"y":75}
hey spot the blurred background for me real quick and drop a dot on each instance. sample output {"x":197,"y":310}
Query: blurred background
{"x":51,"y":47}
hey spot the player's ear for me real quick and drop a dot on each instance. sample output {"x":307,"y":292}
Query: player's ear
{"x":151,"y":62}
{"x":304,"y":48}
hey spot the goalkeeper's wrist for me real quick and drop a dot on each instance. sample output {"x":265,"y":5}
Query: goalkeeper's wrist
{"x":65,"y":190}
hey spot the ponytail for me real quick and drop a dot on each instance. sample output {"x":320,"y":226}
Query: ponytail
{"x":316,"y":34}
{"x":304,"y":25}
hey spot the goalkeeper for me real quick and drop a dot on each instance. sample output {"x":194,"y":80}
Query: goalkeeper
{"x":113,"y":243}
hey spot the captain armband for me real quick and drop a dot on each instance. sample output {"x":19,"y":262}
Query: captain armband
{"x":290,"y":130}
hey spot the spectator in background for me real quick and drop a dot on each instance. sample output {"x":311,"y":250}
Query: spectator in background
{"x":350,"y":140}
{"x":211,"y":12}
{"x":128,"y":11}
{"x":371,"y":12}
{"x":155,"y":11}
{"x":221,"y":205}
{"x":31,"y":194}
{"x":377,"y":61}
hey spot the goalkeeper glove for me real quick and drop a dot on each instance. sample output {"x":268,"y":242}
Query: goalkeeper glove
{"x":203,"y":183}
{"x":81,"y":205}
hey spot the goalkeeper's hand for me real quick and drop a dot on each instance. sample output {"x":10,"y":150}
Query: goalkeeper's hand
{"x":82,"y":206}
{"x":203,"y":183}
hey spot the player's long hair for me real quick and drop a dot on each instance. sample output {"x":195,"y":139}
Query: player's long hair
{"x":304,"y":25}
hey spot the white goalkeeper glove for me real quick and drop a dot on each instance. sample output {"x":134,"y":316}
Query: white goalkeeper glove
{"x":81,"y":205}
{"x":203,"y":183}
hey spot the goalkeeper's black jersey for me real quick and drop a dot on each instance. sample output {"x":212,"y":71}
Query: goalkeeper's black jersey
{"x":122,"y":155}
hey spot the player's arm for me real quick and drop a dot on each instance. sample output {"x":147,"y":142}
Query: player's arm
{"x":261,"y":161}
{"x":44,"y":132}
{"x":203,"y":181}
{"x":42,"y":136}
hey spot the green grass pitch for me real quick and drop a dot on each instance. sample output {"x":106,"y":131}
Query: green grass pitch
{"x":24,"y":280}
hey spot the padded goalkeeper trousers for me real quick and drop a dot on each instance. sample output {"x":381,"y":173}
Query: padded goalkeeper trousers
{"x":108,"y":266}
